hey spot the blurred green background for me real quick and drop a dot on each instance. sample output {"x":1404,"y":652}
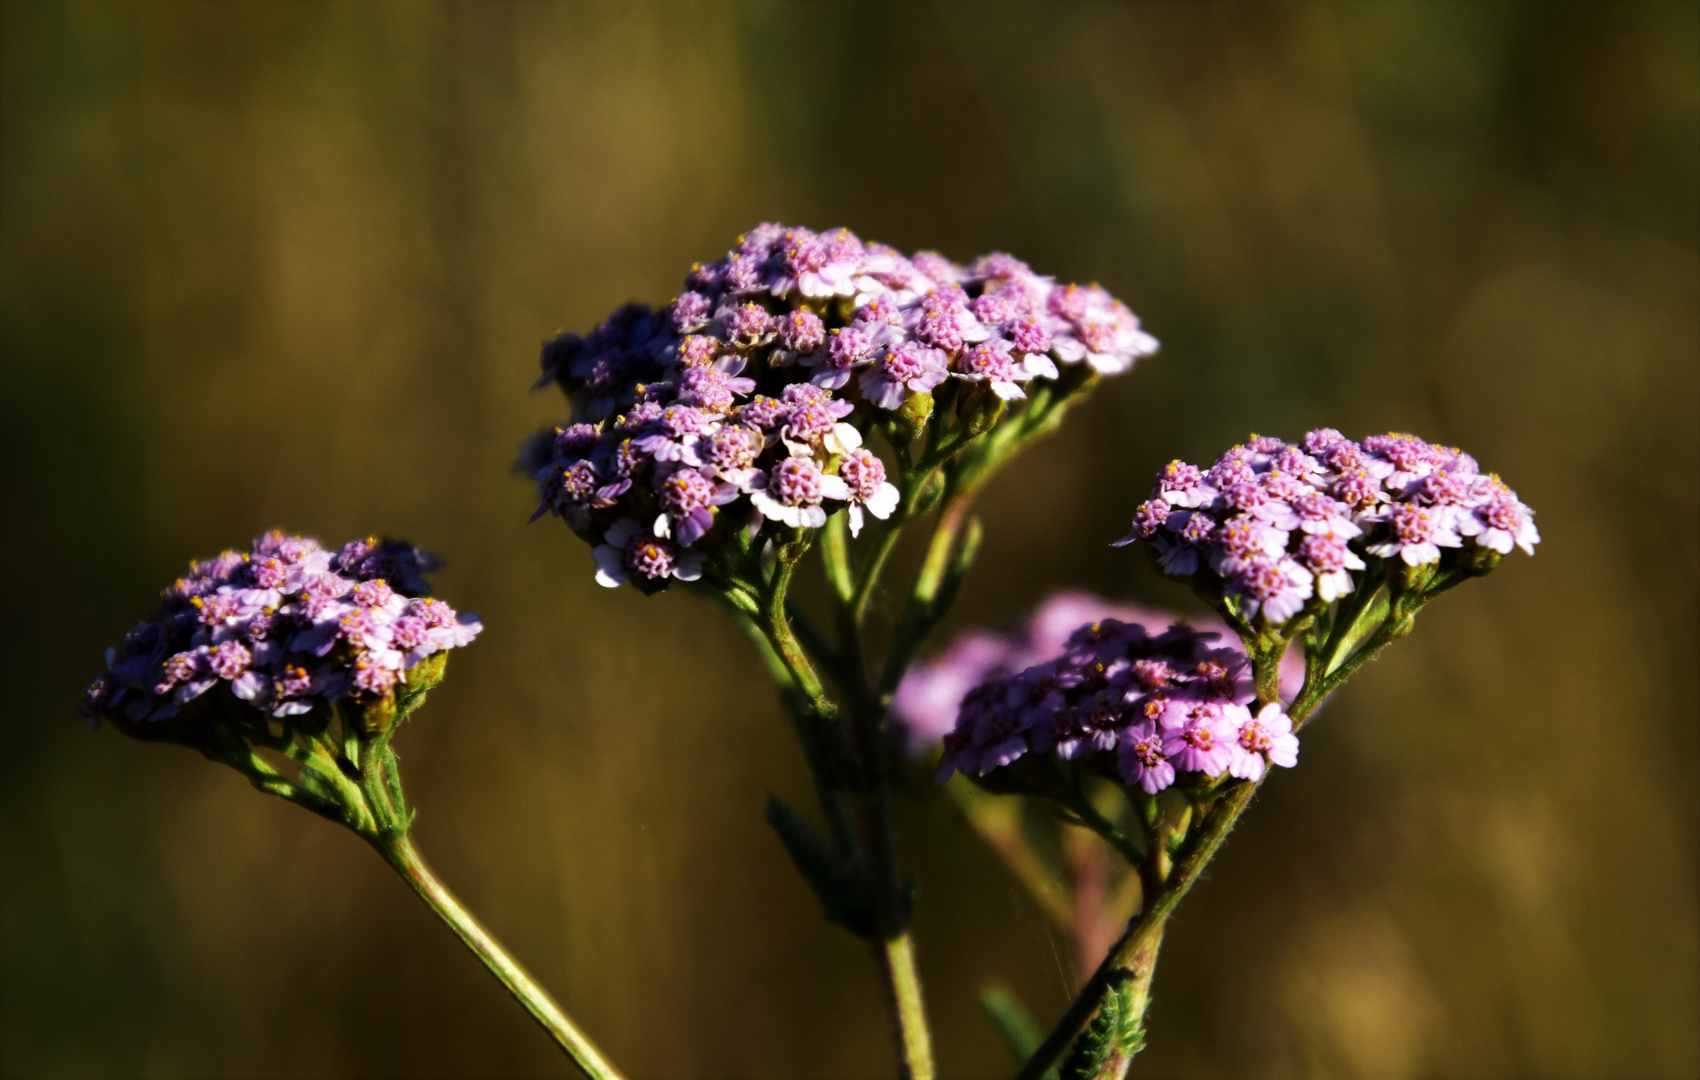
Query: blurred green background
{"x":279,"y":264}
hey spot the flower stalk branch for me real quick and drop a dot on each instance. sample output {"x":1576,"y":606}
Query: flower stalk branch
{"x":316,"y":657}
{"x":1332,"y":543}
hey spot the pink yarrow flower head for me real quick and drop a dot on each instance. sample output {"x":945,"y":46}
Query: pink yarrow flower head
{"x":1277,"y":588}
{"x":801,"y":334}
{"x":848,"y":348}
{"x":796,"y":344}
{"x":1092,"y":326}
{"x":283,"y":629}
{"x":1498,"y":521}
{"x":1280,"y":529}
{"x":688,"y":498}
{"x":1416,"y":535}
{"x":1151,"y":704}
{"x":925,"y":705}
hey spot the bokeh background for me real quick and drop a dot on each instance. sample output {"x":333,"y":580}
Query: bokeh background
{"x":288,"y":264}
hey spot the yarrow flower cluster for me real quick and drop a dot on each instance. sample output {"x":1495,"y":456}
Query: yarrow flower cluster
{"x":1151,"y":706}
{"x":284,"y":626}
{"x":749,"y":396}
{"x":926,"y":704}
{"x":1279,"y":526}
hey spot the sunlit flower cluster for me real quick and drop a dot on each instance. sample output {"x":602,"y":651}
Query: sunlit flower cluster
{"x":1276,"y":527}
{"x":283,"y":626}
{"x":926,"y":704}
{"x":748,"y":399}
{"x":1152,"y":706}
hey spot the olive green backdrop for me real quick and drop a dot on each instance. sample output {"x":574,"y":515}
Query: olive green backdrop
{"x":273,"y":264}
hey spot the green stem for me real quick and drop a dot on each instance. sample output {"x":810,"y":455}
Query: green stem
{"x":319,"y":759}
{"x":872,"y":566}
{"x":1134,"y":956}
{"x":746,"y":616}
{"x":892,"y":951}
{"x":948,"y":556}
{"x":400,"y":854}
{"x":1401,"y":612}
{"x":901,"y":984}
{"x":920,"y":613}
{"x":1132,"y":961}
{"x":835,"y":554}
{"x":241,"y":756}
{"x":1091,"y":818}
{"x":1367,"y":608}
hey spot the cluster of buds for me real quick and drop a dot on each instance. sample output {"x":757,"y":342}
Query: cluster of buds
{"x":926,"y":705}
{"x":1275,"y":529}
{"x":1127,"y":703}
{"x":749,"y":398}
{"x":285,"y":629}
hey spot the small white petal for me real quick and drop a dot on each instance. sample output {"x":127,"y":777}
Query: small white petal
{"x":834,"y":487}
{"x":688,"y":566}
{"x":884,"y":501}
{"x":844,"y":438}
{"x":610,"y":566}
{"x":1068,"y":350}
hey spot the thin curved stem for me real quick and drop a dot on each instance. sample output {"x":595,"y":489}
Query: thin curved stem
{"x":920,"y":614}
{"x":1091,"y":818}
{"x":400,"y":853}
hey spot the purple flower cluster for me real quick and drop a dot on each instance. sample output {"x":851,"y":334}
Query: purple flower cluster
{"x":753,"y":390}
{"x":1154,"y":705}
{"x":284,"y":626}
{"x":926,"y":704}
{"x":1280,"y":526}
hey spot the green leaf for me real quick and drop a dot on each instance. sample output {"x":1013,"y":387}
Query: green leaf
{"x":1092,"y":1049}
{"x":825,"y":743}
{"x":835,"y":875}
{"x":1115,"y":1035}
{"x":1014,"y":1023}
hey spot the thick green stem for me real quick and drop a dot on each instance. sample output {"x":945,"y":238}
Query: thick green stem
{"x":1131,"y":963}
{"x":400,"y":853}
{"x":892,"y":952}
{"x":951,"y":549}
{"x":901,"y":984}
{"x":356,"y":782}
